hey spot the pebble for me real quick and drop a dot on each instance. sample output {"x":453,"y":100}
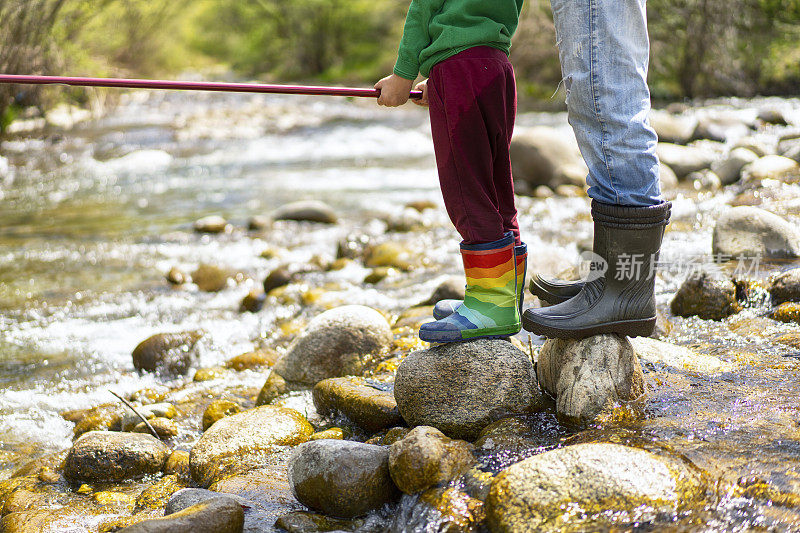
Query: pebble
{"x":306,"y":211}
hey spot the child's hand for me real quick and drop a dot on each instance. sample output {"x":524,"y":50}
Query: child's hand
{"x":422,"y":86}
{"x":394,"y":90}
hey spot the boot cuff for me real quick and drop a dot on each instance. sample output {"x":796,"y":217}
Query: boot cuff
{"x":620,"y":216}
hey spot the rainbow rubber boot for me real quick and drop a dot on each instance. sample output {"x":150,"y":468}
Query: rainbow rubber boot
{"x":490,"y":307}
{"x":445,"y":308}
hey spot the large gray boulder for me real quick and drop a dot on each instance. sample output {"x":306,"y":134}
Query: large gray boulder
{"x":589,"y":376}
{"x":114,"y":456}
{"x":339,"y":342}
{"x":426,"y":457}
{"x":245,"y":441}
{"x":607,"y":482}
{"x":170,"y":354}
{"x":341,"y":478}
{"x":460,"y":388}
{"x":216,"y":515}
{"x":546,"y":156}
{"x":752,"y":232}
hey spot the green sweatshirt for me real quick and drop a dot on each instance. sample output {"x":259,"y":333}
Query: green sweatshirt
{"x":438,"y":29}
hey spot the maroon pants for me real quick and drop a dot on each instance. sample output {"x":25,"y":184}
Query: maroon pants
{"x":473,"y":104}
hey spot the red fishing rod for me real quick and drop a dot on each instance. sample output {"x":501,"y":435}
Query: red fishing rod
{"x":195,"y":86}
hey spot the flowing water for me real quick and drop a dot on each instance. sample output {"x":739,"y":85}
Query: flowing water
{"x":95,"y":216}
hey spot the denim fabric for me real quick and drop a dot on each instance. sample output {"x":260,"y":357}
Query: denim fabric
{"x":604,"y":51}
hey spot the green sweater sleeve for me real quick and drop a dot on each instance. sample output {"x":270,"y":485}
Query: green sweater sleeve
{"x":415,"y":37}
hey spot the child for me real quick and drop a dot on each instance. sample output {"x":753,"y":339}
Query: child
{"x":462,"y":45}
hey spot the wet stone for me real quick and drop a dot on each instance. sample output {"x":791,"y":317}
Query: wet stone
{"x":178,"y":464}
{"x":339,"y":342}
{"x":341,"y":478}
{"x":211,"y":224}
{"x":786,"y":287}
{"x":243,"y":441}
{"x":164,"y":427}
{"x":176,"y":276}
{"x":426,"y":457}
{"x":706,"y":295}
{"x":218,"y":515}
{"x":305,"y":522}
{"x":253,"y":302}
{"x":156,"y":496}
{"x":210,"y":278}
{"x":274,"y":386}
{"x":462,"y":387}
{"x":306,"y":211}
{"x":111,"y":456}
{"x":452,"y":288}
{"x":209,"y":374}
{"x":332,"y":433}
{"x":608,"y":482}
{"x":219,"y":409}
{"x":101,"y":418}
{"x":589,"y":376}
{"x":787,"y":312}
{"x":368,"y":407}
{"x":168,"y":353}
{"x":279,"y":277}
{"x":252,"y":360}
{"x":150,"y":411}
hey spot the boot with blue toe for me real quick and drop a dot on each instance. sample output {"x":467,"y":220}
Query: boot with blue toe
{"x":490,"y":307}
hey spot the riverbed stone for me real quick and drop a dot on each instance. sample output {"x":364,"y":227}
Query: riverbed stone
{"x":775,"y":167}
{"x":339,"y":342}
{"x":157,"y":495}
{"x":306,"y":211}
{"x":219,"y":409}
{"x":546,"y":156}
{"x":168,"y":353}
{"x":790,"y":148}
{"x":211,"y":278}
{"x":177,"y":277}
{"x":217,"y":515}
{"x":279,"y":277}
{"x":178,"y":464}
{"x":149,"y":411}
{"x":707,"y":295}
{"x":426,"y":457}
{"x":751,"y":231}
{"x":341,"y":478}
{"x":106,"y":417}
{"x":667,"y":178}
{"x":772,"y":115}
{"x":306,"y":522}
{"x":654,"y":355}
{"x":460,"y":388}
{"x":672,"y":128}
{"x":730,"y":168}
{"x":212,"y":224}
{"x":608,"y":482}
{"x":260,"y":358}
{"x":787,"y":312}
{"x":244,"y":441}
{"x":114,"y":456}
{"x":721,"y":128}
{"x":274,"y":387}
{"x":786,"y":287}
{"x":684,"y":159}
{"x":370,"y":407}
{"x":165,"y":428}
{"x":590,"y":375}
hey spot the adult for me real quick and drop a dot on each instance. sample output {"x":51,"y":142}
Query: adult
{"x":604,"y":53}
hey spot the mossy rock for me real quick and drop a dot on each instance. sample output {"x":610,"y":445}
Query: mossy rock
{"x":368,"y":407}
{"x":219,"y":409}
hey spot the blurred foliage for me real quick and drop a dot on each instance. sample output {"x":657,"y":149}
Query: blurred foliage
{"x":699,"y":47}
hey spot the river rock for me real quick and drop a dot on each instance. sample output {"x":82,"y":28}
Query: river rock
{"x":112,"y":456}
{"x":306,"y":211}
{"x":685,"y":159}
{"x":253,"y":301}
{"x":106,"y":417}
{"x":460,"y":388}
{"x":426,"y":457}
{"x":153,"y":410}
{"x":177,"y":277}
{"x":672,"y":128}
{"x":306,"y":522}
{"x":590,"y":375}
{"x":263,"y":357}
{"x":707,"y":295}
{"x":273,"y":387}
{"x":168,"y":353}
{"x":243,"y":441}
{"x":790,"y":149}
{"x":212,"y":224}
{"x":338,"y":342}
{"x":786,"y":287}
{"x":787,"y":312}
{"x":607,"y":482}
{"x":341,"y":478}
{"x":389,"y":254}
{"x":165,"y":428}
{"x":217,"y":410}
{"x":772,"y":115}
{"x":452,"y":288}
{"x":366,"y":406}
{"x":546,"y":156}
{"x":211,"y":278}
{"x":217,"y":515}
{"x":178,"y":464}
{"x":775,"y":167}
{"x":279,"y":277}
{"x":753,"y":232}
{"x":666,"y":177}
{"x":255,"y":520}
{"x":729,"y":169}
{"x":655,"y":355}
{"x":721,"y":128}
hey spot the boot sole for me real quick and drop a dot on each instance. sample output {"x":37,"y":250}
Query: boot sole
{"x":628,"y":328}
{"x":488,"y":333}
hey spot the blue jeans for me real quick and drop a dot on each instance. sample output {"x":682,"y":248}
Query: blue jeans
{"x":604,"y":51}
